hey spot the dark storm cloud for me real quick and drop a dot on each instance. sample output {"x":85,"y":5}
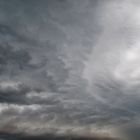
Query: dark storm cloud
{"x":8,"y":56}
{"x":7,"y":136}
{"x":13,"y":94}
{"x":56,"y":64}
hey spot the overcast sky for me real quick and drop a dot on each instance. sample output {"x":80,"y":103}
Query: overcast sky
{"x":70,"y":67}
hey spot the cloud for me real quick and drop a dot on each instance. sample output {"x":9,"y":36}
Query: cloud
{"x":52,"y":137}
{"x":58,"y":63}
{"x":12,"y":92}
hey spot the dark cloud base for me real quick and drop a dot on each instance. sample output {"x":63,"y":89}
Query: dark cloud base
{"x":7,"y":136}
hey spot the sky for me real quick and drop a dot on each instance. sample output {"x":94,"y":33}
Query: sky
{"x":69,"y":69}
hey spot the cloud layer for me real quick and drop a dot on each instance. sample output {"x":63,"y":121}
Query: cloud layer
{"x":69,"y":67}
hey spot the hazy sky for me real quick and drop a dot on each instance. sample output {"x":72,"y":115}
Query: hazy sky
{"x":70,"y":67}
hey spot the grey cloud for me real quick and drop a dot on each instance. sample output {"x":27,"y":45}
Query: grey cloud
{"x":19,"y":58}
{"x":48,"y":46}
{"x":13,"y":94}
{"x":8,"y":136}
